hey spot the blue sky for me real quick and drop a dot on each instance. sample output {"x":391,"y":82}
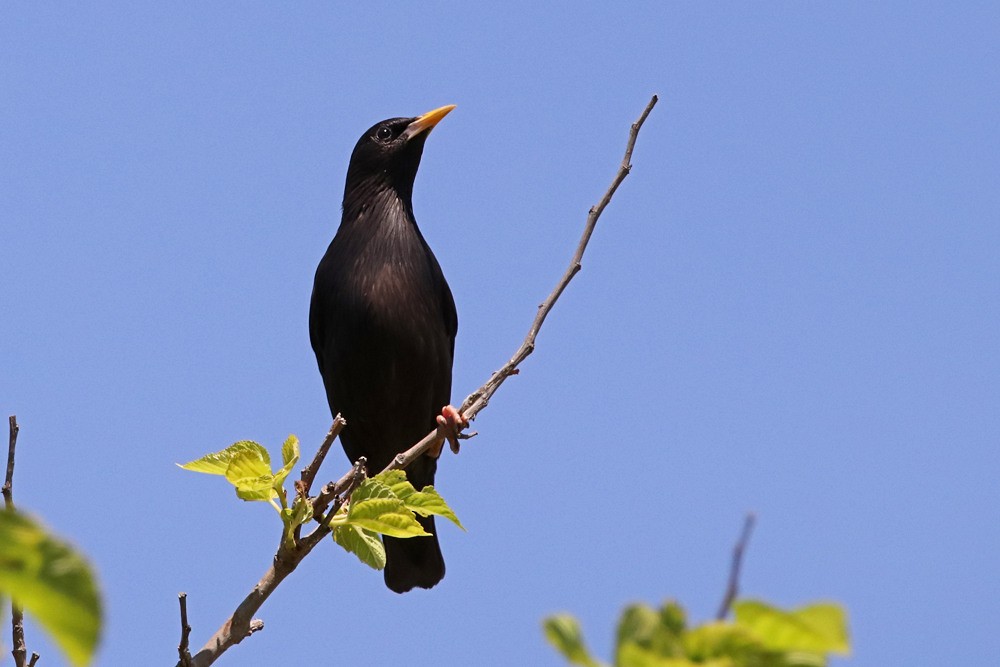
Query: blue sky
{"x":791,"y":307}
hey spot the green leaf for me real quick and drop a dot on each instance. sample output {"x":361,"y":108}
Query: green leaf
{"x":797,"y":659}
{"x":299,"y":513}
{"x":249,"y":465}
{"x":371,"y":488}
{"x":563,"y":632}
{"x":818,"y":628}
{"x":385,"y":515}
{"x":255,"y":488}
{"x":290,"y":450}
{"x":637,"y":624}
{"x":659,"y":631}
{"x":673,"y":617}
{"x":719,"y":639}
{"x":391,"y":477}
{"x":633,"y":655}
{"x":52,"y":582}
{"x":289,"y":456}
{"x":426,"y":502}
{"x":218,"y":463}
{"x":362,"y":543}
{"x":250,"y":472}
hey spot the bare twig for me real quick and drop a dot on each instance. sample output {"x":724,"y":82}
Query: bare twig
{"x":733,"y":587}
{"x":480,"y":398}
{"x":333,"y":490}
{"x":333,"y":495}
{"x":358,"y":474}
{"x":182,"y":648}
{"x":304,"y":485}
{"x":8,"y":481}
{"x":34,"y":660}
{"x":18,"y":650}
{"x":309,"y":472}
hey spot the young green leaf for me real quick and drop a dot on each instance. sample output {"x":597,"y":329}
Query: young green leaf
{"x":818,"y":628}
{"x":385,"y":515}
{"x":647,"y":636}
{"x":255,"y":488}
{"x":248,"y":465}
{"x":52,"y":582}
{"x":673,"y":618}
{"x":425,"y":502}
{"x":637,"y":624}
{"x":385,"y":504}
{"x":633,"y":655}
{"x":719,"y":639}
{"x":218,"y":463}
{"x":250,"y":472}
{"x":290,"y":450}
{"x":371,"y":488}
{"x":362,"y":543}
{"x":289,"y":457}
{"x":563,"y":632}
{"x":299,"y":513}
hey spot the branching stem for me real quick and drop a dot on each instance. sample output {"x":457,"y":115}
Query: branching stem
{"x":242,"y":624}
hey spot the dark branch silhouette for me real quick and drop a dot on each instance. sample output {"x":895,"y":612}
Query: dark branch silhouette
{"x":733,"y":587}
{"x":18,"y":650}
{"x":182,"y":648}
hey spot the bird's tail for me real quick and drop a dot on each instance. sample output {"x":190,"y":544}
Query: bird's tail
{"x":413,"y":561}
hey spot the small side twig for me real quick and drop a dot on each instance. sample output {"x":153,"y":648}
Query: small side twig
{"x":358,"y":474}
{"x":309,"y":472}
{"x":733,"y":587}
{"x":182,"y":648}
{"x":331,"y":491}
{"x":8,"y":481}
{"x":18,"y":650}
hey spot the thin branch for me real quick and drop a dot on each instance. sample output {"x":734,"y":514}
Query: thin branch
{"x":34,"y":660}
{"x":357,"y":475}
{"x":480,"y":398}
{"x":309,"y":472}
{"x":8,"y":482}
{"x":18,"y":650}
{"x":733,"y":587}
{"x":308,"y":475}
{"x":182,"y":648}
{"x":332,"y":496}
{"x":333,"y":490}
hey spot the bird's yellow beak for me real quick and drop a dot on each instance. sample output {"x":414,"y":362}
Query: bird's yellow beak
{"x":426,"y":122}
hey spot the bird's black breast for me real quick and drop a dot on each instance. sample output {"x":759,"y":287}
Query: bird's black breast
{"x":383,"y":325}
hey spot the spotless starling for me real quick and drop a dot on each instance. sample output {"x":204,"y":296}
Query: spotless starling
{"x":382,"y":324}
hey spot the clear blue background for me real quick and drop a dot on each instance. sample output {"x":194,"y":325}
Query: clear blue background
{"x":791,"y":307}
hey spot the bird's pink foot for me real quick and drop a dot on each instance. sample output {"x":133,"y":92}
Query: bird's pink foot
{"x":450,"y":424}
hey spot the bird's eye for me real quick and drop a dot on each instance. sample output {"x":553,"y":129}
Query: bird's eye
{"x":383,"y":133}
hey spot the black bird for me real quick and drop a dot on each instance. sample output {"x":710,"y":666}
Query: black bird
{"x":382,"y":324}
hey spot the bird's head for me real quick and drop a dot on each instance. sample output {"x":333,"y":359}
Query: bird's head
{"x":388,"y":153}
